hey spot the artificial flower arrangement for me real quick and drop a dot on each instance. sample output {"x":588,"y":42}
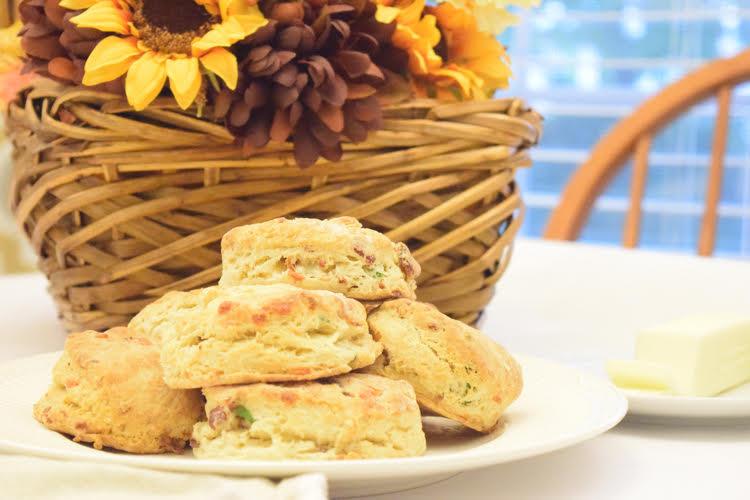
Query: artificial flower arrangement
{"x":152,"y":127}
{"x":313,"y":72}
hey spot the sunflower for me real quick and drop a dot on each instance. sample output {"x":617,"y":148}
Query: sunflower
{"x":156,"y":40}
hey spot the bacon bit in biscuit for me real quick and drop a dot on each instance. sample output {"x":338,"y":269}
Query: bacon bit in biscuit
{"x":386,"y":358}
{"x":405,"y":263}
{"x":82,"y":425}
{"x":370,"y":259}
{"x":292,"y":271}
{"x":289,"y":397}
{"x":498,"y":399}
{"x":225,"y":307}
{"x":102,"y":336}
{"x":298,"y":371}
{"x":432,"y":326}
{"x":217,"y":416}
{"x":260,"y":319}
{"x":71,"y":382}
{"x":381,"y":285}
{"x":439,"y":398}
{"x":143,"y":341}
{"x":322,"y":263}
{"x":342,"y":280}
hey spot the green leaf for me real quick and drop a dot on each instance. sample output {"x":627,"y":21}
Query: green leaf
{"x":243,"y":412}
{"x":378,"y":274}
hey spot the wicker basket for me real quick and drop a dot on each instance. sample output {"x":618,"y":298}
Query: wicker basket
{"x":123,"y":206}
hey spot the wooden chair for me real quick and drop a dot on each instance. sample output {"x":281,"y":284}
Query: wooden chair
{"x":632,"y":136}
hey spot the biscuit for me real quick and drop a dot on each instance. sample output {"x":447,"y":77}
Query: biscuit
{"x":346,"y":417}
{"x":456,"y":371}
{"x":108,"y":390}
{"x":337,"y":255}
{"x":257,"y":333}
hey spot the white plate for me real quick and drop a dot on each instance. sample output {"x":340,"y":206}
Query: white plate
{"x":733,"y":404}
{"x":559,"y":406}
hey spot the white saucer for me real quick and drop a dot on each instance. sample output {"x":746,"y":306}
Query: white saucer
{"x":734,"y":404}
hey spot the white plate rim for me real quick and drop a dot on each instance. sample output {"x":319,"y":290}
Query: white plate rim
{"x":349,"y":469}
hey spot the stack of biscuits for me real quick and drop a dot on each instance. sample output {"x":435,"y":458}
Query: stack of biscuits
{"x":312,"y":346}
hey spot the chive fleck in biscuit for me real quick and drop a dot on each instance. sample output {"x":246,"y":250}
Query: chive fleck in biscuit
{"x":337,"y":255}
{"x":456,"y":371}
{"x":257,"y":333}
{"x":108,"y":390}
{"x":350,"y":416}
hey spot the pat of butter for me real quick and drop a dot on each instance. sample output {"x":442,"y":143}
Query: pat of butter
{"x":641,"y":375}
{"x":706,"y":354}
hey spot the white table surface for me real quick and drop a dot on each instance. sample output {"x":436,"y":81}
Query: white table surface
{"x":573,"y":303}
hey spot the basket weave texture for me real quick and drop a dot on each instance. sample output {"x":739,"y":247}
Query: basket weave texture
{"x":123,"y":206}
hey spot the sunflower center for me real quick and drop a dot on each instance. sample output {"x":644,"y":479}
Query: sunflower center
{"x":170,"y":26}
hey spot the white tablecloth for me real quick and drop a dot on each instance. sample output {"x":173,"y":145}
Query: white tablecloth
{"x":569,"y":302}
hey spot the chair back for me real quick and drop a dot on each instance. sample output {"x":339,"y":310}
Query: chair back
{"x":631,"y":138}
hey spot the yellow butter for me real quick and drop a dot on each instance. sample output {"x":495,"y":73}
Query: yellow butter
{"x":705,"y":354}
{"x":641,"y":375}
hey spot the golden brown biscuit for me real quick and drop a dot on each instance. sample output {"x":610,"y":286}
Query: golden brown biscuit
{"x":456,"y":371}
{"x":108,"y":390}
{"x":257,"y":333}
{"x":337,"y":255}
{"x":350,"y":416}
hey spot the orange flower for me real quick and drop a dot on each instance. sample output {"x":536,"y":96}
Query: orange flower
{"x":449,"y":57}
{"x":154,"y":44}
{"x":11,"y":82}
{"x":474,"y":59}
{"x":417,"y":34}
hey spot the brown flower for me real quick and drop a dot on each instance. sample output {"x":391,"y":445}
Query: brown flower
{"x":311,"y":74}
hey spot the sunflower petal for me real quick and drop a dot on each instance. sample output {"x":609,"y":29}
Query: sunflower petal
{"x":110,"y":59}
{"x":184,"y":80}
{"x":78,"y":4}
{"x":145,"y":80}
{"x":236,"y":8}
{"x":105,"y":16}
{"x":232,"y":30}
{"x":223,"y":64}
